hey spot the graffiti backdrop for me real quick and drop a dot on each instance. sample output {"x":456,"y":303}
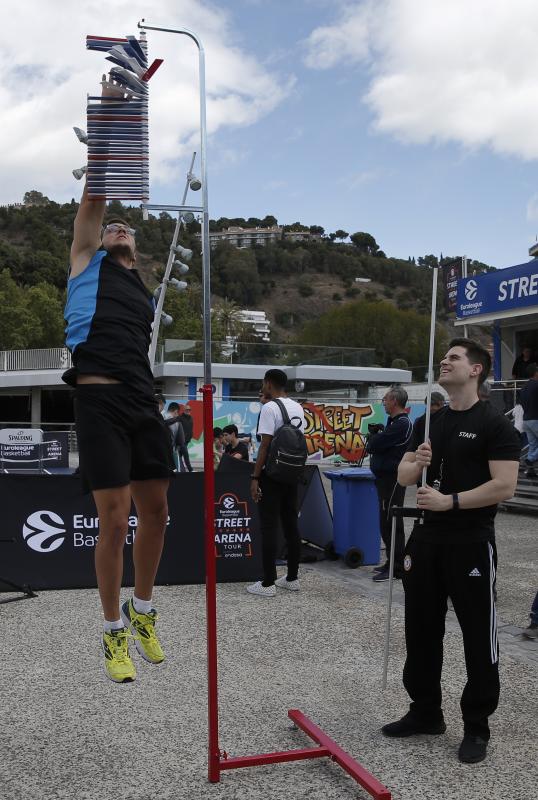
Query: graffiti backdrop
{"x":334,"y":431}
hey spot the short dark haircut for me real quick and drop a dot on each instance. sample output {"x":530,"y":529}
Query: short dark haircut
{"x":532,"y":369}
{"x":277,"y":377}
{"x":217,"y":432}
{"x":437,"y":399}
{"x":231,"y":429}
{"x":173,"y":407}
{"x":117,"y":221}
{"x":476,"y":354}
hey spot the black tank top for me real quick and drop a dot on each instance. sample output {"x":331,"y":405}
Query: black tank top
{"x":109,"y":314}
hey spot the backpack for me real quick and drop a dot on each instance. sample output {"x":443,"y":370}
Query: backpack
{"x":287,"y":452}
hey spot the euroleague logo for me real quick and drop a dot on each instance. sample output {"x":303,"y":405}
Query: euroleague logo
{"x":471,"y":290}
{"x":228,"y":502}
{"x":43,"y":531}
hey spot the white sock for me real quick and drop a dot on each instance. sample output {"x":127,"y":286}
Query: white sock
{"x":141,"y":606}
{"x":115,"y":625}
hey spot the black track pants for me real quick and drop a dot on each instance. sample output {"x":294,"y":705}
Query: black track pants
{"x":465,"y":572}
{"x":278,"y":503}
{"x":389,"y":492}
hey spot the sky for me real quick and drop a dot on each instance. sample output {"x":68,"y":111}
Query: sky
{"x":413,"y":120}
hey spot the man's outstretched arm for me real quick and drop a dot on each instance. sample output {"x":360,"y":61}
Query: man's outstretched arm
{"x":87,"y":232}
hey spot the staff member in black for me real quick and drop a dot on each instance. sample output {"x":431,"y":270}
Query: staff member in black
{"x":472,"y":464}
{"x":386,"y":447}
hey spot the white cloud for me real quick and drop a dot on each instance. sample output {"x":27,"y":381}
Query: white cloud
{"x":532,"y":208}
{"x":443,"y":71}
{"x":46,"y":72}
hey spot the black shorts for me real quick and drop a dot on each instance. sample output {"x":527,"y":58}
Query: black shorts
{"x":121,"y":436}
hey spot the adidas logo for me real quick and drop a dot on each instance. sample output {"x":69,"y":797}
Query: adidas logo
{"x":475,"y":573}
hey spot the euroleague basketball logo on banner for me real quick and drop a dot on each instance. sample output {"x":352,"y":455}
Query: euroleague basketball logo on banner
{"x":233,"y":537}
{"x":43,"y":531}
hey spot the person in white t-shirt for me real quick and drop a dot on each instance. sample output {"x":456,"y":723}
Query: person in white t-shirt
{"x":276,"y":501}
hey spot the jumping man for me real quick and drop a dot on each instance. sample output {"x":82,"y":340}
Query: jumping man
{"x":124,"y":457}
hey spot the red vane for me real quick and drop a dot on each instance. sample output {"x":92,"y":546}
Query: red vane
{"x":152,"y":69}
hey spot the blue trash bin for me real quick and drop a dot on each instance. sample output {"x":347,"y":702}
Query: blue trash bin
{"x":356,"y":535}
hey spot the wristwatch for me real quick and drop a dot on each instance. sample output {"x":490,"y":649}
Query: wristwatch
{"x":456,"y":502}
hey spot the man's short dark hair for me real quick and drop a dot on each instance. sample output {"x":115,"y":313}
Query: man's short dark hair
{"x":116,"y":221}
{"x":437,"y":399}
{"x":277,"y":377}
{"x":231,"y":429}
{"x":532,"y":369}
{"x":476,"y":355}
{"x":173,"y":407}
{"x":217,"y":432}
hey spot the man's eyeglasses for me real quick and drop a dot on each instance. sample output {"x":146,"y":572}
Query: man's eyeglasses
{"x":114,"y":228}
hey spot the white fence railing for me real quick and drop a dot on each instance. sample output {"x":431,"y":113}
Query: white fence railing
{"x":52,"y":358}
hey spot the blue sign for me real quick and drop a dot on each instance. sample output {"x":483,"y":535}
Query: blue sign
{"x":502,"y":290}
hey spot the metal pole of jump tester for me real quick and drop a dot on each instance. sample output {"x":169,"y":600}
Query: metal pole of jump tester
{"x":424,"y":472}
{"x":207,"y":393}
{"x":168,"y":270}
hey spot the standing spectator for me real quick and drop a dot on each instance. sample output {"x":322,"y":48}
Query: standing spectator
{"x":522,"y":363}
{"x":386,"y":447}
{"x":188,"y":424}
{"x":161,"y":401}
{"x":177,"y":434}
{"x":472,"y":462}
{"x":529,"y":402}
{"x":276,"y":501}
{"x":531,"y":632}
{"x":232,"y":445}
{"x":218,"y":446}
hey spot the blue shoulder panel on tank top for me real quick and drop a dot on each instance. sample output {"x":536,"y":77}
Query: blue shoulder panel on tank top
{"x":81,"y":302}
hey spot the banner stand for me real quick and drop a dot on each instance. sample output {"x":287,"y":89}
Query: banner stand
{"x":25,"y":590}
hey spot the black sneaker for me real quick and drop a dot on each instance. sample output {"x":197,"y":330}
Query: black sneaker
{"x":382,"y":575}
{"x":410,"y":726}
{"x":472,"y":749}
{"x":382,"y":567}
{"x":532,"y":631}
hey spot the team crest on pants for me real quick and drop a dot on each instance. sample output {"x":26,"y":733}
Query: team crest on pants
{"x":407,"y":563}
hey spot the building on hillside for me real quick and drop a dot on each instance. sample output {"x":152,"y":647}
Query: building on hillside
{"x":250,"y":237}
{"x":258,"y":321}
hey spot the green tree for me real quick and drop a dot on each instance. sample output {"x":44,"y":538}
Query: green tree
{"x":35,"y":198}
{"x":17,"y":326}
{"x":365,"y":243}
{"x":340,"y":234}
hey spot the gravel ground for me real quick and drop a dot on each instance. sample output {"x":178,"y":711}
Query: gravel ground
{"x":67,"y":732}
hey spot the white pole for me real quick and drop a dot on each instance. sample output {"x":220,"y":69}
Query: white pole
{"x":464,"y":275}
{"x":430,"y":365}
{"x":169,"y":263}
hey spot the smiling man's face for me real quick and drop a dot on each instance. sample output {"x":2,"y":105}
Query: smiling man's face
{"x":456,"y":369}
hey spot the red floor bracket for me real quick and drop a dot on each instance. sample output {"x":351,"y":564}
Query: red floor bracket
{"x":326,"y":747}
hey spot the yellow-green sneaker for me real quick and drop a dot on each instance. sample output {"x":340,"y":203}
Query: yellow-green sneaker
{"x":143,"y":628}
{"x":118,"y":665}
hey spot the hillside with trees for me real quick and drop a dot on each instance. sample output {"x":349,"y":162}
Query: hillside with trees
{"x":309,"y":289}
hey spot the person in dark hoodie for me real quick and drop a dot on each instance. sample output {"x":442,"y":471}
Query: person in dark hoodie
{"x":386,"y":446}
{"x":188,"y":425}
